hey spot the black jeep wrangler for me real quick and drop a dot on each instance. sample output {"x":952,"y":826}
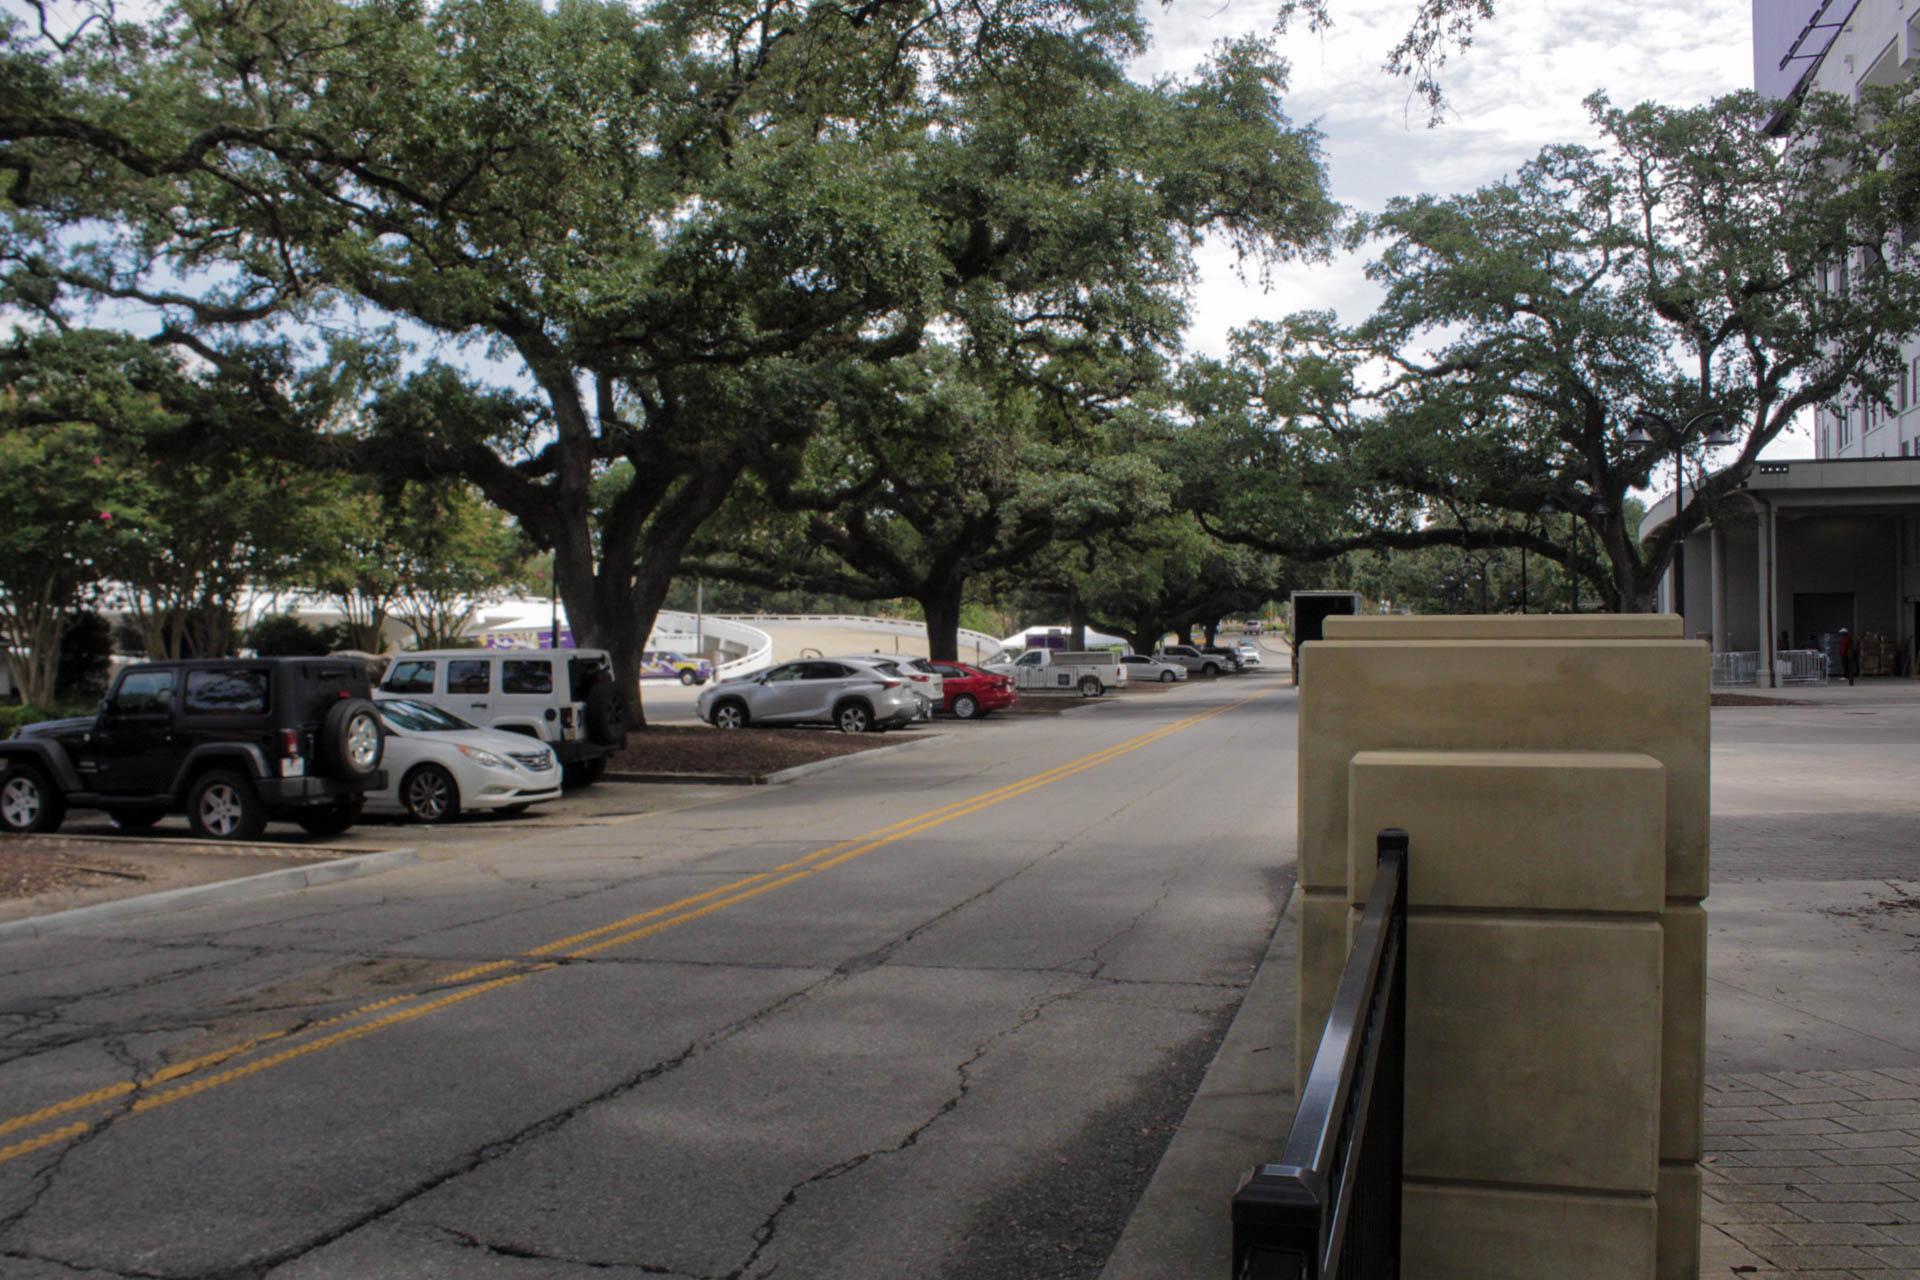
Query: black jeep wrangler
{"x":231,"y":742}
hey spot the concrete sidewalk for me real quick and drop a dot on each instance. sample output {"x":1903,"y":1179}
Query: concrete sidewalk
{"x":1813,"y":1104}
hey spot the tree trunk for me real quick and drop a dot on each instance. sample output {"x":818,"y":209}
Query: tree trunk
{"x":941,"y":605}
{"x":1076,"y":620}
{"x":1213,"y":631}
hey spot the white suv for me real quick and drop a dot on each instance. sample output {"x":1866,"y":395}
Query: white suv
{"x":566,"y":698}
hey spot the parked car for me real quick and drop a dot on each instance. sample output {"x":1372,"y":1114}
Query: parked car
{"x":1141,"y":667}
{"x":1249,"y":654}
{"x":920,"y":673}
{"x":1227,"y":653}
{"x":970,"y":693}
{"x":665,"y":664}
{"x":439,"y":765}
{"x":565,"y":698}
{"x":1253,"y":627}
{"x":232,"y":743}
{"x":1193,"y":659}
{"x":857,"y":696}
{"x":1062,"y":670}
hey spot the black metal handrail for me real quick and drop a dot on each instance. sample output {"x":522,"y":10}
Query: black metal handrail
{"x":1329,"y":1208}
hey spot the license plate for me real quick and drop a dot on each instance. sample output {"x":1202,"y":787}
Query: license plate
{"x":569,"y":734}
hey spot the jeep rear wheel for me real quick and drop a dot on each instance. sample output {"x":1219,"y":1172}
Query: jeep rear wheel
{"x":351,"y":742}
{"x":28,"y":802}
{"x":222,"y":806}
{"x":606,"y":714}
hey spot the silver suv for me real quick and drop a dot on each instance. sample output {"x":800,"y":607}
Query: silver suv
{"x":1194,"y":659}
{"x":856,"y":695}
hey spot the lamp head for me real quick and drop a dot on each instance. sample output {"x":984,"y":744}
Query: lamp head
{"x":1637,"y":428}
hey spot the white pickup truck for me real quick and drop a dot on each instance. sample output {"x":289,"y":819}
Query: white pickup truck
{"x":1059,"y":670}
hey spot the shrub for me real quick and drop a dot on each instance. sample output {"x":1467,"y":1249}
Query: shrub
{"x":12,"y":717}
{"x":281,"y":635}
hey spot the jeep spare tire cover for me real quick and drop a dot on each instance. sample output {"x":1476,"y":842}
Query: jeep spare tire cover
{"x":606,"y":714}
{"x":351,"y":740}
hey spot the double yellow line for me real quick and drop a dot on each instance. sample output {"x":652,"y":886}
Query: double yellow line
{"x":152,"y":1092}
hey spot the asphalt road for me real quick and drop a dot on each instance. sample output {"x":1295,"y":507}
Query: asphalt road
{"x":929,"y":1014}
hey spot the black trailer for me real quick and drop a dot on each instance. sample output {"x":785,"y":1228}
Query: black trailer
{"x":1311,"y":609}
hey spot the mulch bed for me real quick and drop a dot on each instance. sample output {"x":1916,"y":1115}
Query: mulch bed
{"x":1748,"y":700}
{"x":29,"y":868}
{"x":685,"y":749}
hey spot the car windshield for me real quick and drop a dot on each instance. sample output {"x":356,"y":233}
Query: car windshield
{"x":419,"y":717}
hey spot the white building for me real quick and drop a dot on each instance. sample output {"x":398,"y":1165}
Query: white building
{"x":1843,"y":46}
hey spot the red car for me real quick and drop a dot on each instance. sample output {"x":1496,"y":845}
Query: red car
{"x":969,"y":693}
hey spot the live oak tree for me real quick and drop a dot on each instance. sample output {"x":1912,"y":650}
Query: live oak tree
{"x":631,"y":231}
{"x":1691,"y":263}
{"x":927,"y":473}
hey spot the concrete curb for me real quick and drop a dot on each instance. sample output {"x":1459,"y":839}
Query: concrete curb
{"x":243,"y":889}
{"x":1237,"y":1119}
{"x":821,"y":766}
{"x":693,"y":779}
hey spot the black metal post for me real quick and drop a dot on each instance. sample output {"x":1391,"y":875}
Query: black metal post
{"x":1329,"y":1209}
{"x":1680,"y":532}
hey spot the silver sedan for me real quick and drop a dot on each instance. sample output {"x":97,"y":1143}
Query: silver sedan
{"x":1141,"y":667}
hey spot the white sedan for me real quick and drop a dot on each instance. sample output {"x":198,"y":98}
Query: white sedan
{"x":1249,"y":654}
{"x":1141,"y":667}
{"x":438,"y":764}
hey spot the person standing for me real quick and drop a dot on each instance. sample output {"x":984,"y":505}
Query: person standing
{"x":1849,"y":656}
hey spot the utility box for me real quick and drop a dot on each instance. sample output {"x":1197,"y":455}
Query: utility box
{"x":1310,"y":610}
{"x":1551,"y":774}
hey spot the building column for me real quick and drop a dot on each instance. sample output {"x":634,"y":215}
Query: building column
{"x":1717,"y":586}
{"x":1763,"y":589}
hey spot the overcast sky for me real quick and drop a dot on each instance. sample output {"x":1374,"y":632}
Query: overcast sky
{"x":1518,"y":88}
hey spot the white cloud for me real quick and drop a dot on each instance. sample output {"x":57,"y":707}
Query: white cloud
{"x":1518,"y":88}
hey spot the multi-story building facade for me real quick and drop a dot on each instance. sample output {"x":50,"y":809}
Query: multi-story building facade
{"x":1843,"y":46}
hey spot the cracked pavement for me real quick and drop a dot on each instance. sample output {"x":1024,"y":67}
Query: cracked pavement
{"x":956,"y":1054}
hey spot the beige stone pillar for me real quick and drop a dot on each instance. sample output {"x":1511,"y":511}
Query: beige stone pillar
{"x":1552,"y":774}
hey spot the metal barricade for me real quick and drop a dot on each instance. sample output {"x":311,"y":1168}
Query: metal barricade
{"x":1736,"y":668}
{"x":1329,"y":1209}
{"x":1801,"y":666}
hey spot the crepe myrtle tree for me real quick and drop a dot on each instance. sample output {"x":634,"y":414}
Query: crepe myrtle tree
{"x":1692,"y":262}
{"x":655,"y":217}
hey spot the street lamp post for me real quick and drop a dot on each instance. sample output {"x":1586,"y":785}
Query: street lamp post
{"x":1716,"y":437}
